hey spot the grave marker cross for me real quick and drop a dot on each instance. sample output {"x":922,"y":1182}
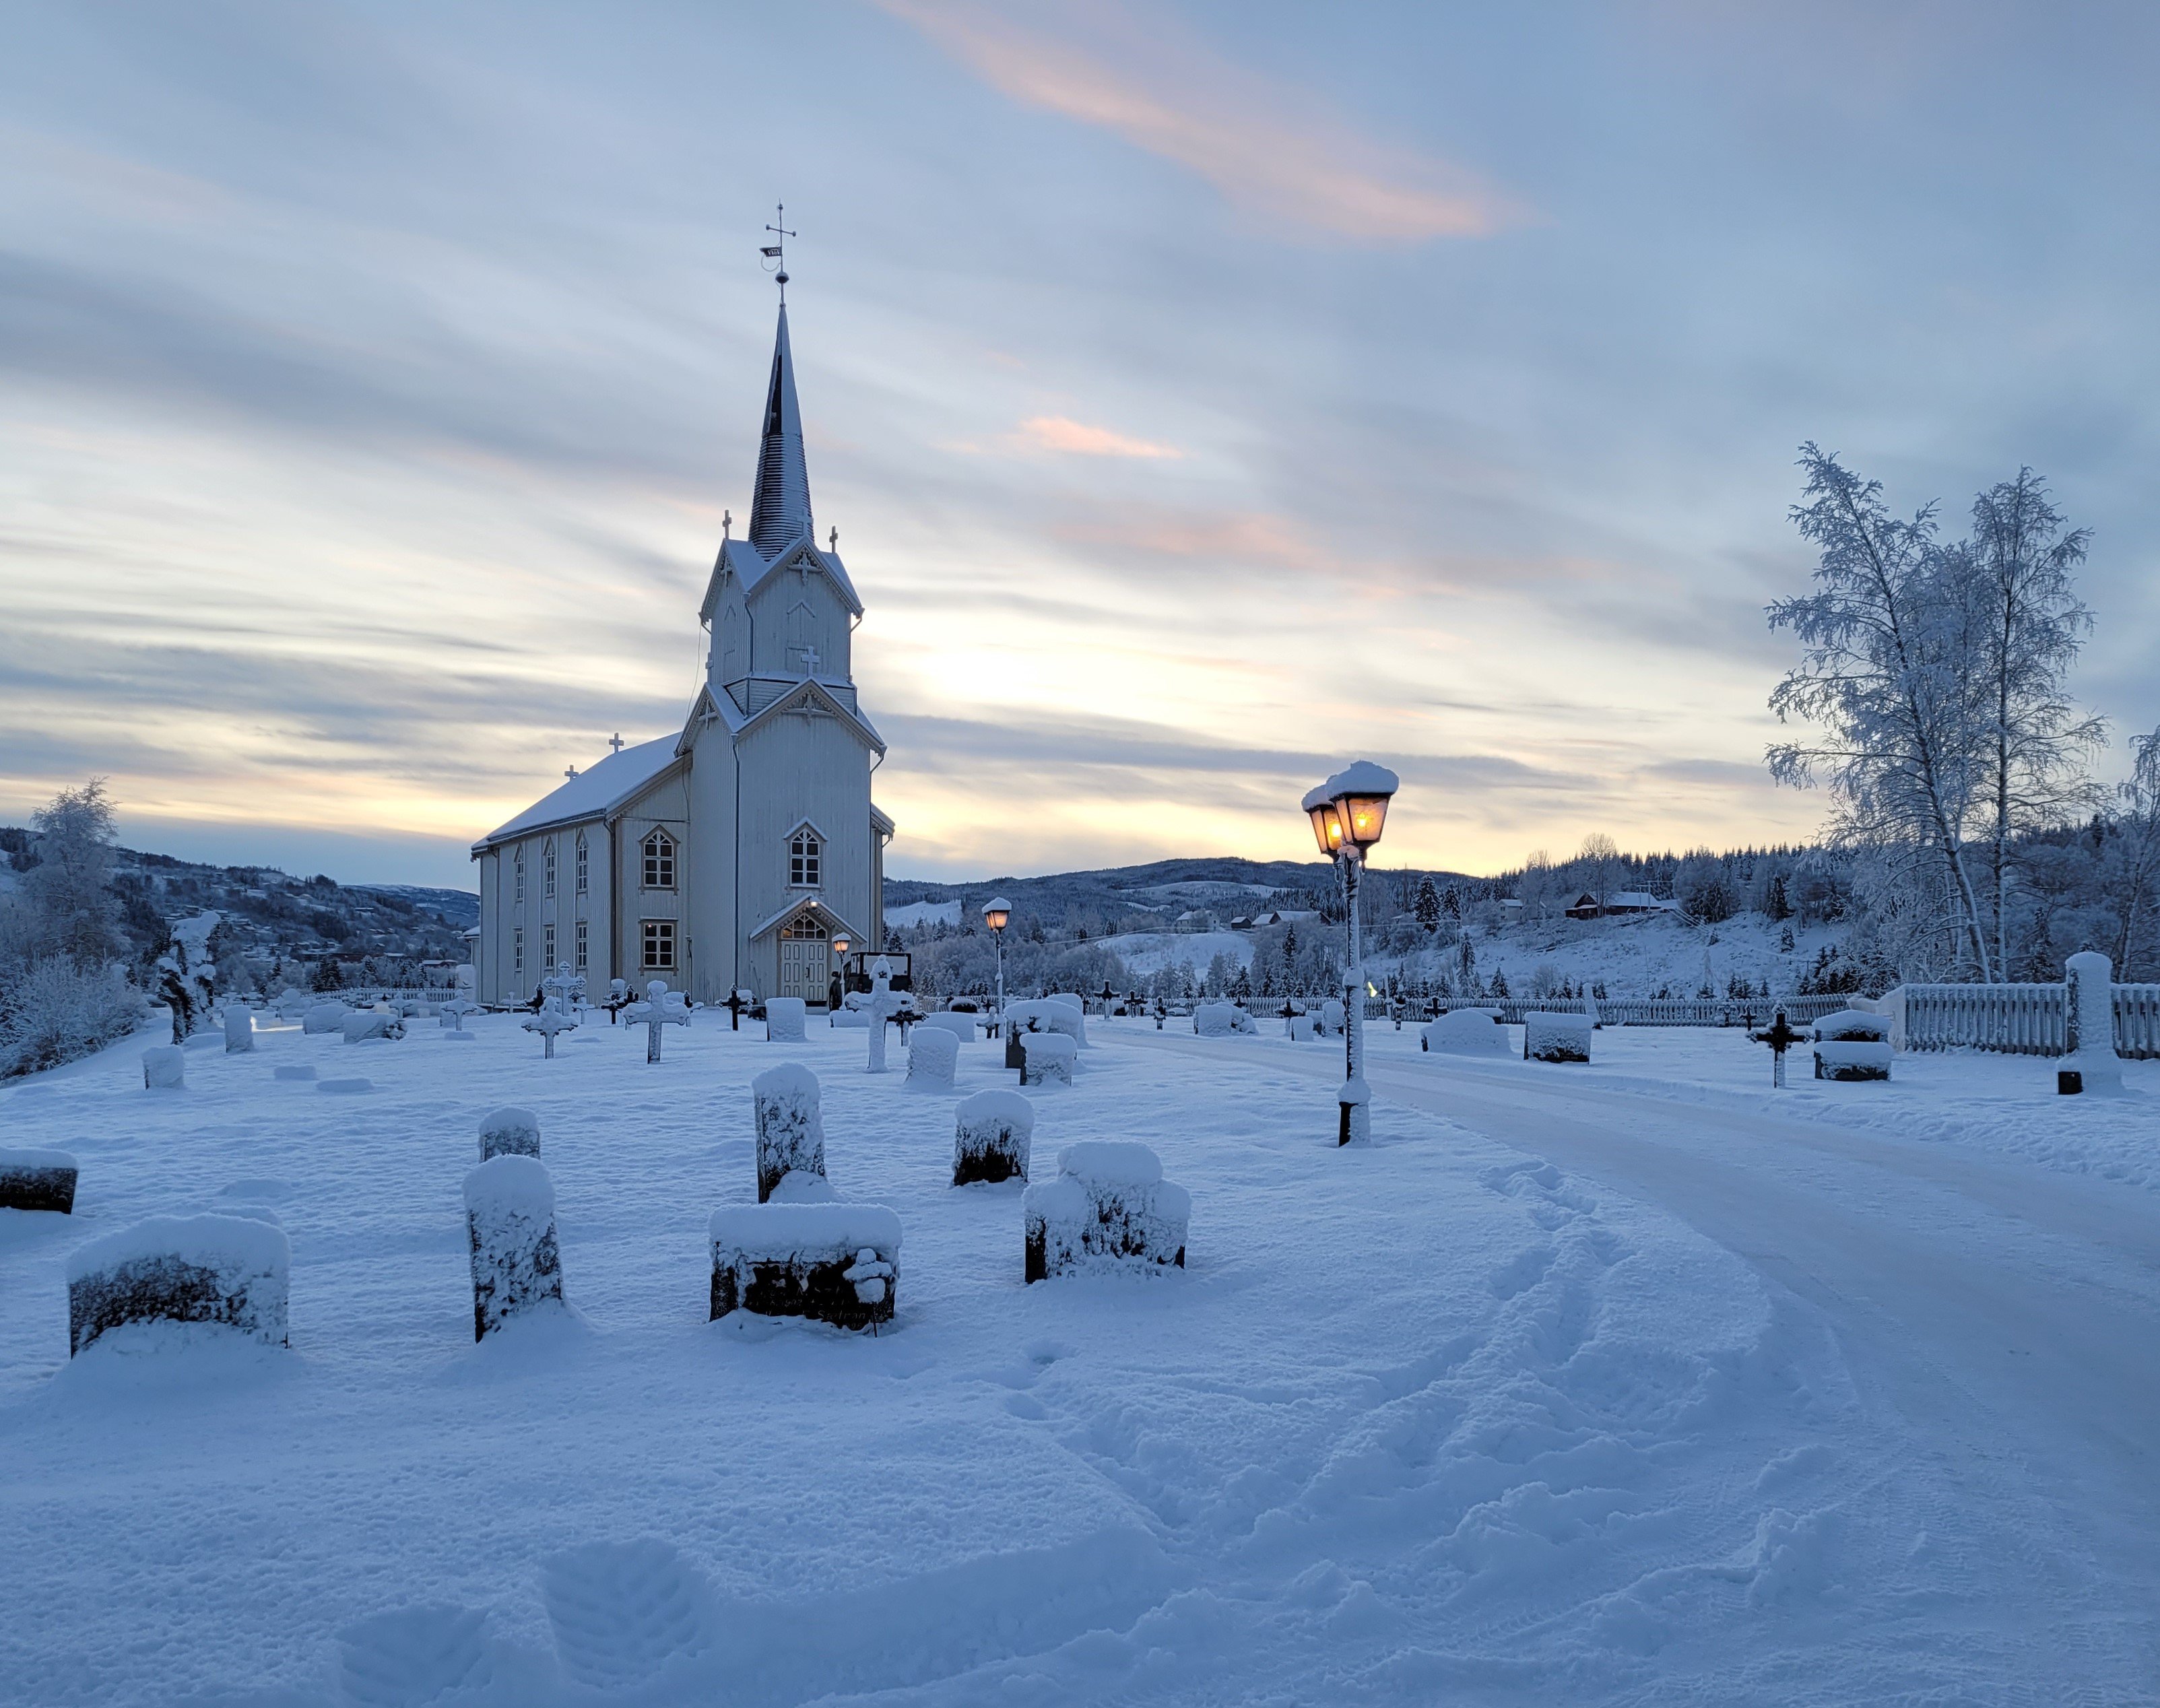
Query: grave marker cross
{"x":662,"y":1007}
{"x":1780,"y":1037}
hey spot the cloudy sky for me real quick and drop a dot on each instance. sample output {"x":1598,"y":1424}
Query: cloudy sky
{"x":1205,"y":395}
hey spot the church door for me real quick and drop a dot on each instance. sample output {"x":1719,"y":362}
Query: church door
{"x":804,"y":954}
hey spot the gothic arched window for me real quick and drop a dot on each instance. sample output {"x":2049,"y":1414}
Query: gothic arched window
{"x":805,"y":860}
{"x":548,"y":870}
{"x":659,"y":861}
{"x":517,"y":872}
{"x":584,"y":865}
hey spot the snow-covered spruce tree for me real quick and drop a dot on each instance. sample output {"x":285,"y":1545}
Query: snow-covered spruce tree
{"x":2019,"y":566}
{"x":1886,"y":676}
{"x":1427,"y":905}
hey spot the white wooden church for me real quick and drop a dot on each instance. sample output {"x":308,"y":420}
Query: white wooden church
{"x":730,"y":855}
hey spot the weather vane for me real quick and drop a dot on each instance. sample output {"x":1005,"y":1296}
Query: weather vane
{"x":772,"y":252}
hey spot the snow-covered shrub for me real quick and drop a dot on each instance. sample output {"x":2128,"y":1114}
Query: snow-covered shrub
{"x":933,"y":1054}
{"x":837,"y":1262}
{"x":1219,"y":1019}
{"x":509,"y":1131}
{"x":1556,"y":1037}
{"x":961,"y":1026}
{"x":1048,"y":1059}
{"x":791,"y":1130}
{"x":783,"y":1018}
{"x":36,"y":1180}
{"x":164,"y":1067}
{"x":1860,"y":1060}
{"x":1465,"y":1032}
{"x":991,"y":1133}
{"x":187,"y":974}
{"x":231,"y":1270}
{"x":510,"y":1218}
{"x":239,"y":1029}
{"x":1108,"y":1209}
{"x":53,"y":1010}
{"x":325,"y":1017}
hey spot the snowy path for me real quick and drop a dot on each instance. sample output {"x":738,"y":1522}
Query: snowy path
{"x":2009,"y":1314}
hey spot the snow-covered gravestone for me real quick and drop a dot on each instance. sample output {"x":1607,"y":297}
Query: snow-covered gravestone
{"x":1109,"y":1209}
{"x":1850,"y":1044}
{"x":992,"y":1133}
{"x":1047,"y":1058}
{"x":164,"y":1067}
{"x":509,"y":1131}
{"x":878,"y":1008}
{"x":239,"y":1029}
{"x":784,"y":1017}
{"x":662,"y":1007}
{"x":325,"y":1017}
{"x":1465,"y":1032}
{"x":230,"y":1269}
{"x":549,"y":1022}
{"x":456,"y":1012}
{"x":1076,"y":1027}
{"x":510,"y":1218}
{"x":1219,"y":1019}
{"x":1331,"y":1018}
{"x":933,"y":1054}
{"x":363,"y":1025}
{"x":961,"y":1026}
{"x":791,"y":1130}
{"x":1299,"y":1028}
{"x":1556,"y":1037}
{"x":2092,"y":1065}
{"x":36,"y":1180}
{"x":835,"y":1262}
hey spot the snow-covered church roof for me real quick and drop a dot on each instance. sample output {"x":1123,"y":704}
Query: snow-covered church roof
{"x":591,"y":794}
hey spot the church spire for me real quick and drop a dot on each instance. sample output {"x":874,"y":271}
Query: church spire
{"x":779,"y":509}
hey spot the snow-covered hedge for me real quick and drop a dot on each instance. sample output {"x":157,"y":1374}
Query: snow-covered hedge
{"x":1556,"y":1037}
{"x":1046,"y":1058}
{"x":992,"y":1132}
{"x":1859,"y":1059}
{"x":784,"y":1018}
{"x":933,"y":1054}
{"x":790,"y":1128}
{"x":52,"y":1011}
{"x":164,"y":1067}
{"x":36,"y":1180}
{"x":509,"y":1131}
{"x":510,"y":1219}
{"x":1109,"y":1209}
{"x":230,"y":1269}
{"x":837,"y":1262}
{"x":1219,"y":1019}
{"x":1465,"y":1032}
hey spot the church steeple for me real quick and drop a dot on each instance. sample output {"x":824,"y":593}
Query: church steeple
{"x":779,"y":509}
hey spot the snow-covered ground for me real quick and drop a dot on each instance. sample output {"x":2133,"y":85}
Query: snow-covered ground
{"x":1444,"y":1419}
{"x":1637,"y":954}
{"x":914,"y":913}
{"x":1146,"y":953}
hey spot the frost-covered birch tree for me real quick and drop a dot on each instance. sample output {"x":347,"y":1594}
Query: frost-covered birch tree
{"x":1885,"y":680}
{"x":2139,"y":802}
{"x":2020,"y":565}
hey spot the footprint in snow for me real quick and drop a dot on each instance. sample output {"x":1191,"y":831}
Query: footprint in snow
{"x":412,"y":1656}
{"x":623,"y":1610}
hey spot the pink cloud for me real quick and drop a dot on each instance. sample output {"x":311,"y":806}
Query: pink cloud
{"x":1266,"y":146}
{"x":1059,"y":432}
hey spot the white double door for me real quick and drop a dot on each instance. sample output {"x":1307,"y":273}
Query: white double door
{"x":803,"y":968}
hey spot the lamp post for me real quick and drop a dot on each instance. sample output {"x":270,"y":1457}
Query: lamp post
{"x":837,"y":995}
{"x":996,"y":912}
{"x":1348,"y":812}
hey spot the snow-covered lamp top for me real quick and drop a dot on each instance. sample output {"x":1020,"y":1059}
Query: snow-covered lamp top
{"x":996,"y":911}
{"x":1326,"y":823}
{"x":1356,"y":798}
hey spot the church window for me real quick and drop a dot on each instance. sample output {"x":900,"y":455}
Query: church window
{"x":584,"y":939}
{"x":805,"y":860}
{"x":548,"y":870}
{"x":659,"y":861}
{"x":584,"y":867}
{"x":517,"y":955}
{"x":548,"y":948}
{"x":659,"y":945}
{"x":518,"y":870}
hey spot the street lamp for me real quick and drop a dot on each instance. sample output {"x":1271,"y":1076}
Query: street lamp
{"x":1348,"y":812}
{"x":996,"y":912}
{"x":840,"y":965}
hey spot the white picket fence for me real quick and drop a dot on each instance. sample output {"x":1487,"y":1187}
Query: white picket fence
{"x":2022,"y":1020}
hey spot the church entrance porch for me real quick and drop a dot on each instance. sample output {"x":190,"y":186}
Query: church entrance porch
{"x":805,"y":958}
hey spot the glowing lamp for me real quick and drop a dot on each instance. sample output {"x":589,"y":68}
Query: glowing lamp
{"x":1326,"y":822}
{"x":1359,"y":794}
{"x":996,"y":911}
